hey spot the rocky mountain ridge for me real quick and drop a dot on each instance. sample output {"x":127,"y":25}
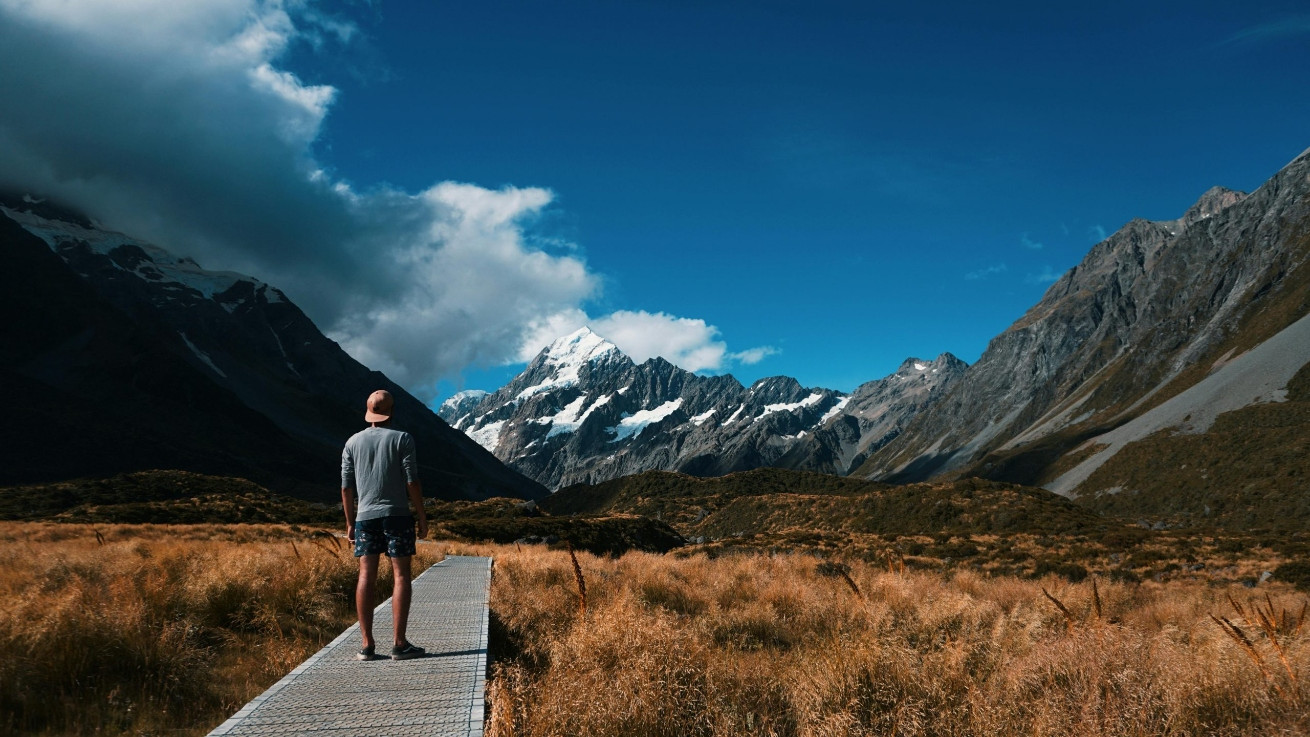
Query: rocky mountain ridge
{"x":227,"y":376}
{"x":583,"y":412}
{"x":876,"y":413}
{"x":1149,"y":315}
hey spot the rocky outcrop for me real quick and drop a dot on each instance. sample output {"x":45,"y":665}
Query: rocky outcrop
{"x":1146,"y":315}
{"x":583,"y":412}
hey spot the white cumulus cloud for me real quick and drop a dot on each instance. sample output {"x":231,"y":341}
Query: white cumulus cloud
{"x":174,"y":122}
{"x":752,"y":356}
{"x":690,"y":343}
{"x":467,"y":286}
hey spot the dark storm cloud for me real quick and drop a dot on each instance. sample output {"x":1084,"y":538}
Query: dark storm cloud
{"x":172,"y":122}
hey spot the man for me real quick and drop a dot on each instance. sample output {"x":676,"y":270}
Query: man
{"x":378,"y":463}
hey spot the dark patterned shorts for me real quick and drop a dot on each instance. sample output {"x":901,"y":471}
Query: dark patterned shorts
{"x":391,"y":535}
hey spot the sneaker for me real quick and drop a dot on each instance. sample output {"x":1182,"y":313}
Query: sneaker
{"x":407,"y":651}
{"x":366,"y":654}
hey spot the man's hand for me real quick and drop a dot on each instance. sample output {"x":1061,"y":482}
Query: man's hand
{"x":415,"y":490}
{"x":350,"y":533}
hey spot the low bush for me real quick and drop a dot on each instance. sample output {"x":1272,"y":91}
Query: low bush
{"x":1071,"y":572}
{"x":1296,"y":573}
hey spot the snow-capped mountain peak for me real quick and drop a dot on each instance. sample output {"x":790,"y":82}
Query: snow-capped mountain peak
{"x":468,"y":395}
{"x":459,"y":407}
{"x":560,"y":364}
{"x":577,"y":348}
{"x":919,"y":369}
{"x":582,"y":411}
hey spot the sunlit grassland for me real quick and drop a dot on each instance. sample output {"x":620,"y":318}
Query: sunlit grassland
{"x":793,"y":645}
{"x":148,"y":629}
{"x":162,"y":629}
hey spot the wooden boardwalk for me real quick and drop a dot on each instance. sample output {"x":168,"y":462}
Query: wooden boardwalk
{"x":332,"y":693}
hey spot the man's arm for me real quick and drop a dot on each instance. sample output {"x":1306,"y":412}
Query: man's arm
{"x":348,"y":505}
{"x":348,"y":491}
{"x":415,"y":490}
{"x":409,"y":461}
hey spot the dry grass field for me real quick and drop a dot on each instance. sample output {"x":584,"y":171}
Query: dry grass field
{"x":792,"y":645}
{"x":166,"y":630}
{"x":161,"y":629}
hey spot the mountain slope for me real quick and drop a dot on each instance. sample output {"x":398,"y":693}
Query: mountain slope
{"x":1142,"y":321}
{"x":583,"y":412}
{"x":875,"y":414}
{"x":1247,"y":472}
{"x":149,"y":361}
{"x":93,"y":392}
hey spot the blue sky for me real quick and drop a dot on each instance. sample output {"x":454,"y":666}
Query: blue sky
{"x":824,"y":178}
{"x":835,"y":185}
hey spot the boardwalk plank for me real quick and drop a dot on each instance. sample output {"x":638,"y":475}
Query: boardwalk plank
{"x":332,"y":694}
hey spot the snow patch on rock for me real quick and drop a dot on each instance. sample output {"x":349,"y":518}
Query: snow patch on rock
{"x":166,"y":267}
{"x":699,"y":419}
{"x":488,"y":436}
{"x":633,"y":425}
{"x":568,"y":419}
{"x":834,"y":411}
{"x":809,"y":401}
{"x":734,"y":416}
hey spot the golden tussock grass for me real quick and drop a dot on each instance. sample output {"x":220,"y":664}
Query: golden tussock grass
{"x":162,"y":629}
{"x":790,"y":645}
{"x":145,"y":629}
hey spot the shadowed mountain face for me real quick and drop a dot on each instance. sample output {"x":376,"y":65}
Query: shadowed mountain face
{"x":583,"y":412}
{"x":1161,"y":328}
{"x":123,"y":357}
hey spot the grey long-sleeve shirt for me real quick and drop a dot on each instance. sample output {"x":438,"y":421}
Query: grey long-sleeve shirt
{"x":377,"y":462}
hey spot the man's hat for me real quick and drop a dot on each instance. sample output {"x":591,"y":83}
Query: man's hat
{"x":379,"y":406}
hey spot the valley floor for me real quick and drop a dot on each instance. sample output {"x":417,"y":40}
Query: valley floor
{"x":148,"y":629}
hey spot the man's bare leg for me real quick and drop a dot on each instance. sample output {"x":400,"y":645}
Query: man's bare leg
{"x":364,"y":588}
{"x":401,"y":590}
